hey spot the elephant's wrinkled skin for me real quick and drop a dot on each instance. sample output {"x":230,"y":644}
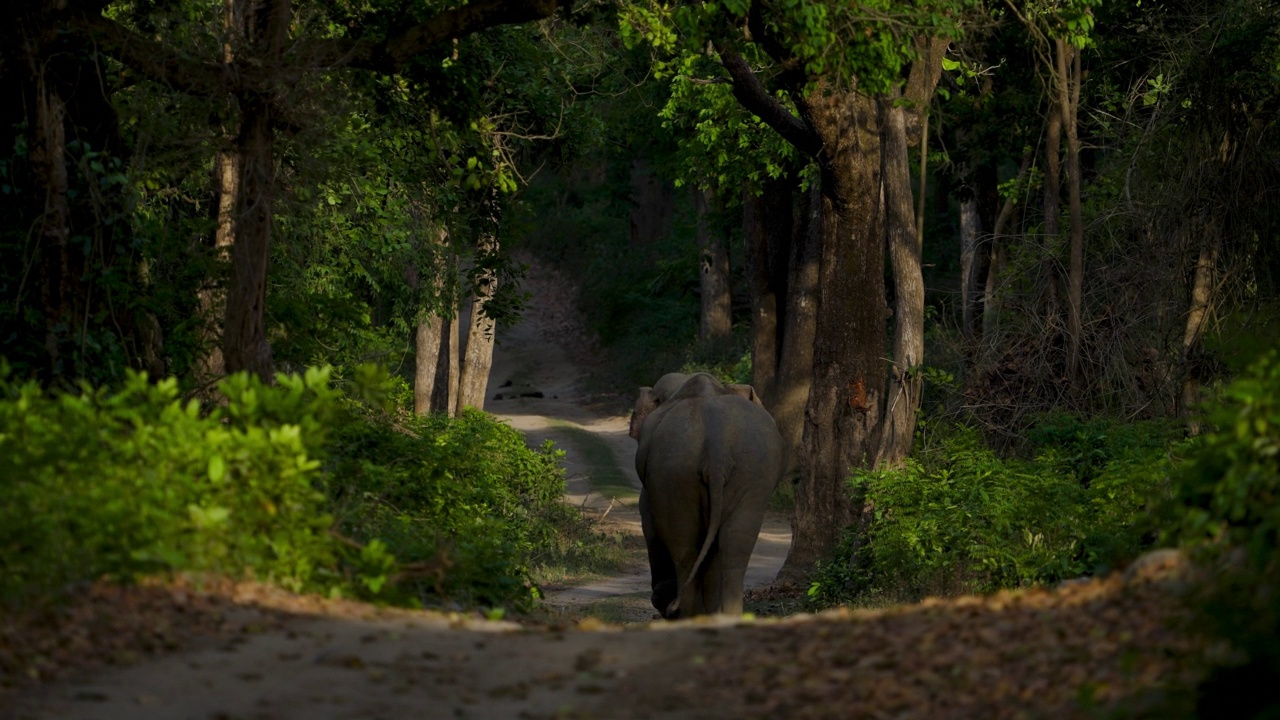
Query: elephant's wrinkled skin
{"x":709,"y":457}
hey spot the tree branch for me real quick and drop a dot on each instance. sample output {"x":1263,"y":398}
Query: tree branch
{"x":152,"y":59}
{"x":749,"y":91}
{"x":391,"y":55}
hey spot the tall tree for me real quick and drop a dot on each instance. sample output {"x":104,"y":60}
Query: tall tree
{"x":859,"y":89}
{"x":271,"y":61}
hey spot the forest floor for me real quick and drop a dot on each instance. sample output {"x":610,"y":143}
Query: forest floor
{"x":1120,"y":646}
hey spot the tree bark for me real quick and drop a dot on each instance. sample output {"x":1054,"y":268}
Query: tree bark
{"x":713,"y":266}
{"x":212,"y":301}
{"x":58,"y":274}
{"x":905,"y":247}
{"x":429,"y":338}
{"x":846,"y":400}
{"x":1069,"y":81}
{"x":970,"y":247}
{"x":799,"y":323}
{"x":478,"y":355}
{"x":1052,"y":210}
{"x":766,"y":327}
{"x":1199,"y":310}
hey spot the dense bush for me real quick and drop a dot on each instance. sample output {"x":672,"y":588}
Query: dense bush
{"x":960,"y":518}
{"x":1226,"y":508}
{"x":133,"y":481}
{"x":464,"y":504}
{"x":294,"y":483}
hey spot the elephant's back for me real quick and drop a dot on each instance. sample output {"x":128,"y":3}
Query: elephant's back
{"x":746,"y":427}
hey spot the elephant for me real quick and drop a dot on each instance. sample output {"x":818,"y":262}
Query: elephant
{"x":709,"y":456}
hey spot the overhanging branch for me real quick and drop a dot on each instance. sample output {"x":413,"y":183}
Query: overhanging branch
{"x":753,"y":95}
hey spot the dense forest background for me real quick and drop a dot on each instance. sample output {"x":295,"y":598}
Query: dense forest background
{"x":1002,"y":271}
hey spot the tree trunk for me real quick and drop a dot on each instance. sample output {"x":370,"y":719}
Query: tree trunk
{"x":904,"y":244}
{"x":995,"y":263}
{"x":212,"y":301}
{"x":478,"y":355}
{"x":846,"y":401}
{"x":970,"y":247}
{"x":244,"y":330}
{"x":429,"y":339}
{"x":449,"y":372}
{"x":765,"y":293}
{"x":1068,"y":60}
{"x":1198,"y":313}
{"x":49,"y":161}
{"x":799,"y":324}
{"x":716,"y":300}
{"x":652,"y":207}
{"x":782,"y":230}
{"x":1052,"y":209}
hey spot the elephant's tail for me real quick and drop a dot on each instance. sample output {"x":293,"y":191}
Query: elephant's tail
{"x":716,"y":474}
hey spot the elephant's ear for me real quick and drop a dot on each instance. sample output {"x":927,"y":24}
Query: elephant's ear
{"x":645,"y":404}
{"x":746,"y":391}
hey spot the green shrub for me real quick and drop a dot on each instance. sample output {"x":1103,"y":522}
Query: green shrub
{"x":133,"y":481}
{"x":960,"y":518}
{"x":1226,"y":509}
{"x":464,"y":505}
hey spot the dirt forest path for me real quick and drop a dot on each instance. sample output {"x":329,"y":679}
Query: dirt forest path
{"x":1079,"y":651}
{"x":536,"y":387}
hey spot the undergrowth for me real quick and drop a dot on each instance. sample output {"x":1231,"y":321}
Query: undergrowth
{"x":960,"y":518}
{"x":296,"y":483}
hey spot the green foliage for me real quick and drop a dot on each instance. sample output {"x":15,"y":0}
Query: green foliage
{"x":960,"y":518}
{"x":295,"y":483}
{"x":136,"y":480}
{"x":464,"y":505}
{"x":1225,"y":509}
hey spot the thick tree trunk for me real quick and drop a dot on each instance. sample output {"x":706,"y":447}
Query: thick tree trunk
{"x":904,"y":244}
{"x":713,"y":265}
{"x":799,"y":323}
{"x":846,"y":401}
{"x":782,"y":233}
{"x":244,"y":329}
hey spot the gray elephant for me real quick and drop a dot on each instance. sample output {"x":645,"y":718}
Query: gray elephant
{"x":709,"y":457}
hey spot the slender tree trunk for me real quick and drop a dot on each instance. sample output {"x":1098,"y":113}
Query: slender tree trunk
{"x":449,"y":375}
{"x":717,"y":301}
{"x":49,"y":160}
{"x":908,"y":281}
{"x":429,"y":338}
{"x":1052,"y":210}
{"x":995,"y":263}
{"x":1069,"y":98}
{"x":653,"y":206}
{"x":478,"y":356}
{"x":212,"y":301}
{"x":1198,"y":314}
{"x":970,"y":249}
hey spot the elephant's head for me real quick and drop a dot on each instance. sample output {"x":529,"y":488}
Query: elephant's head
{"x":678,"y":386}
